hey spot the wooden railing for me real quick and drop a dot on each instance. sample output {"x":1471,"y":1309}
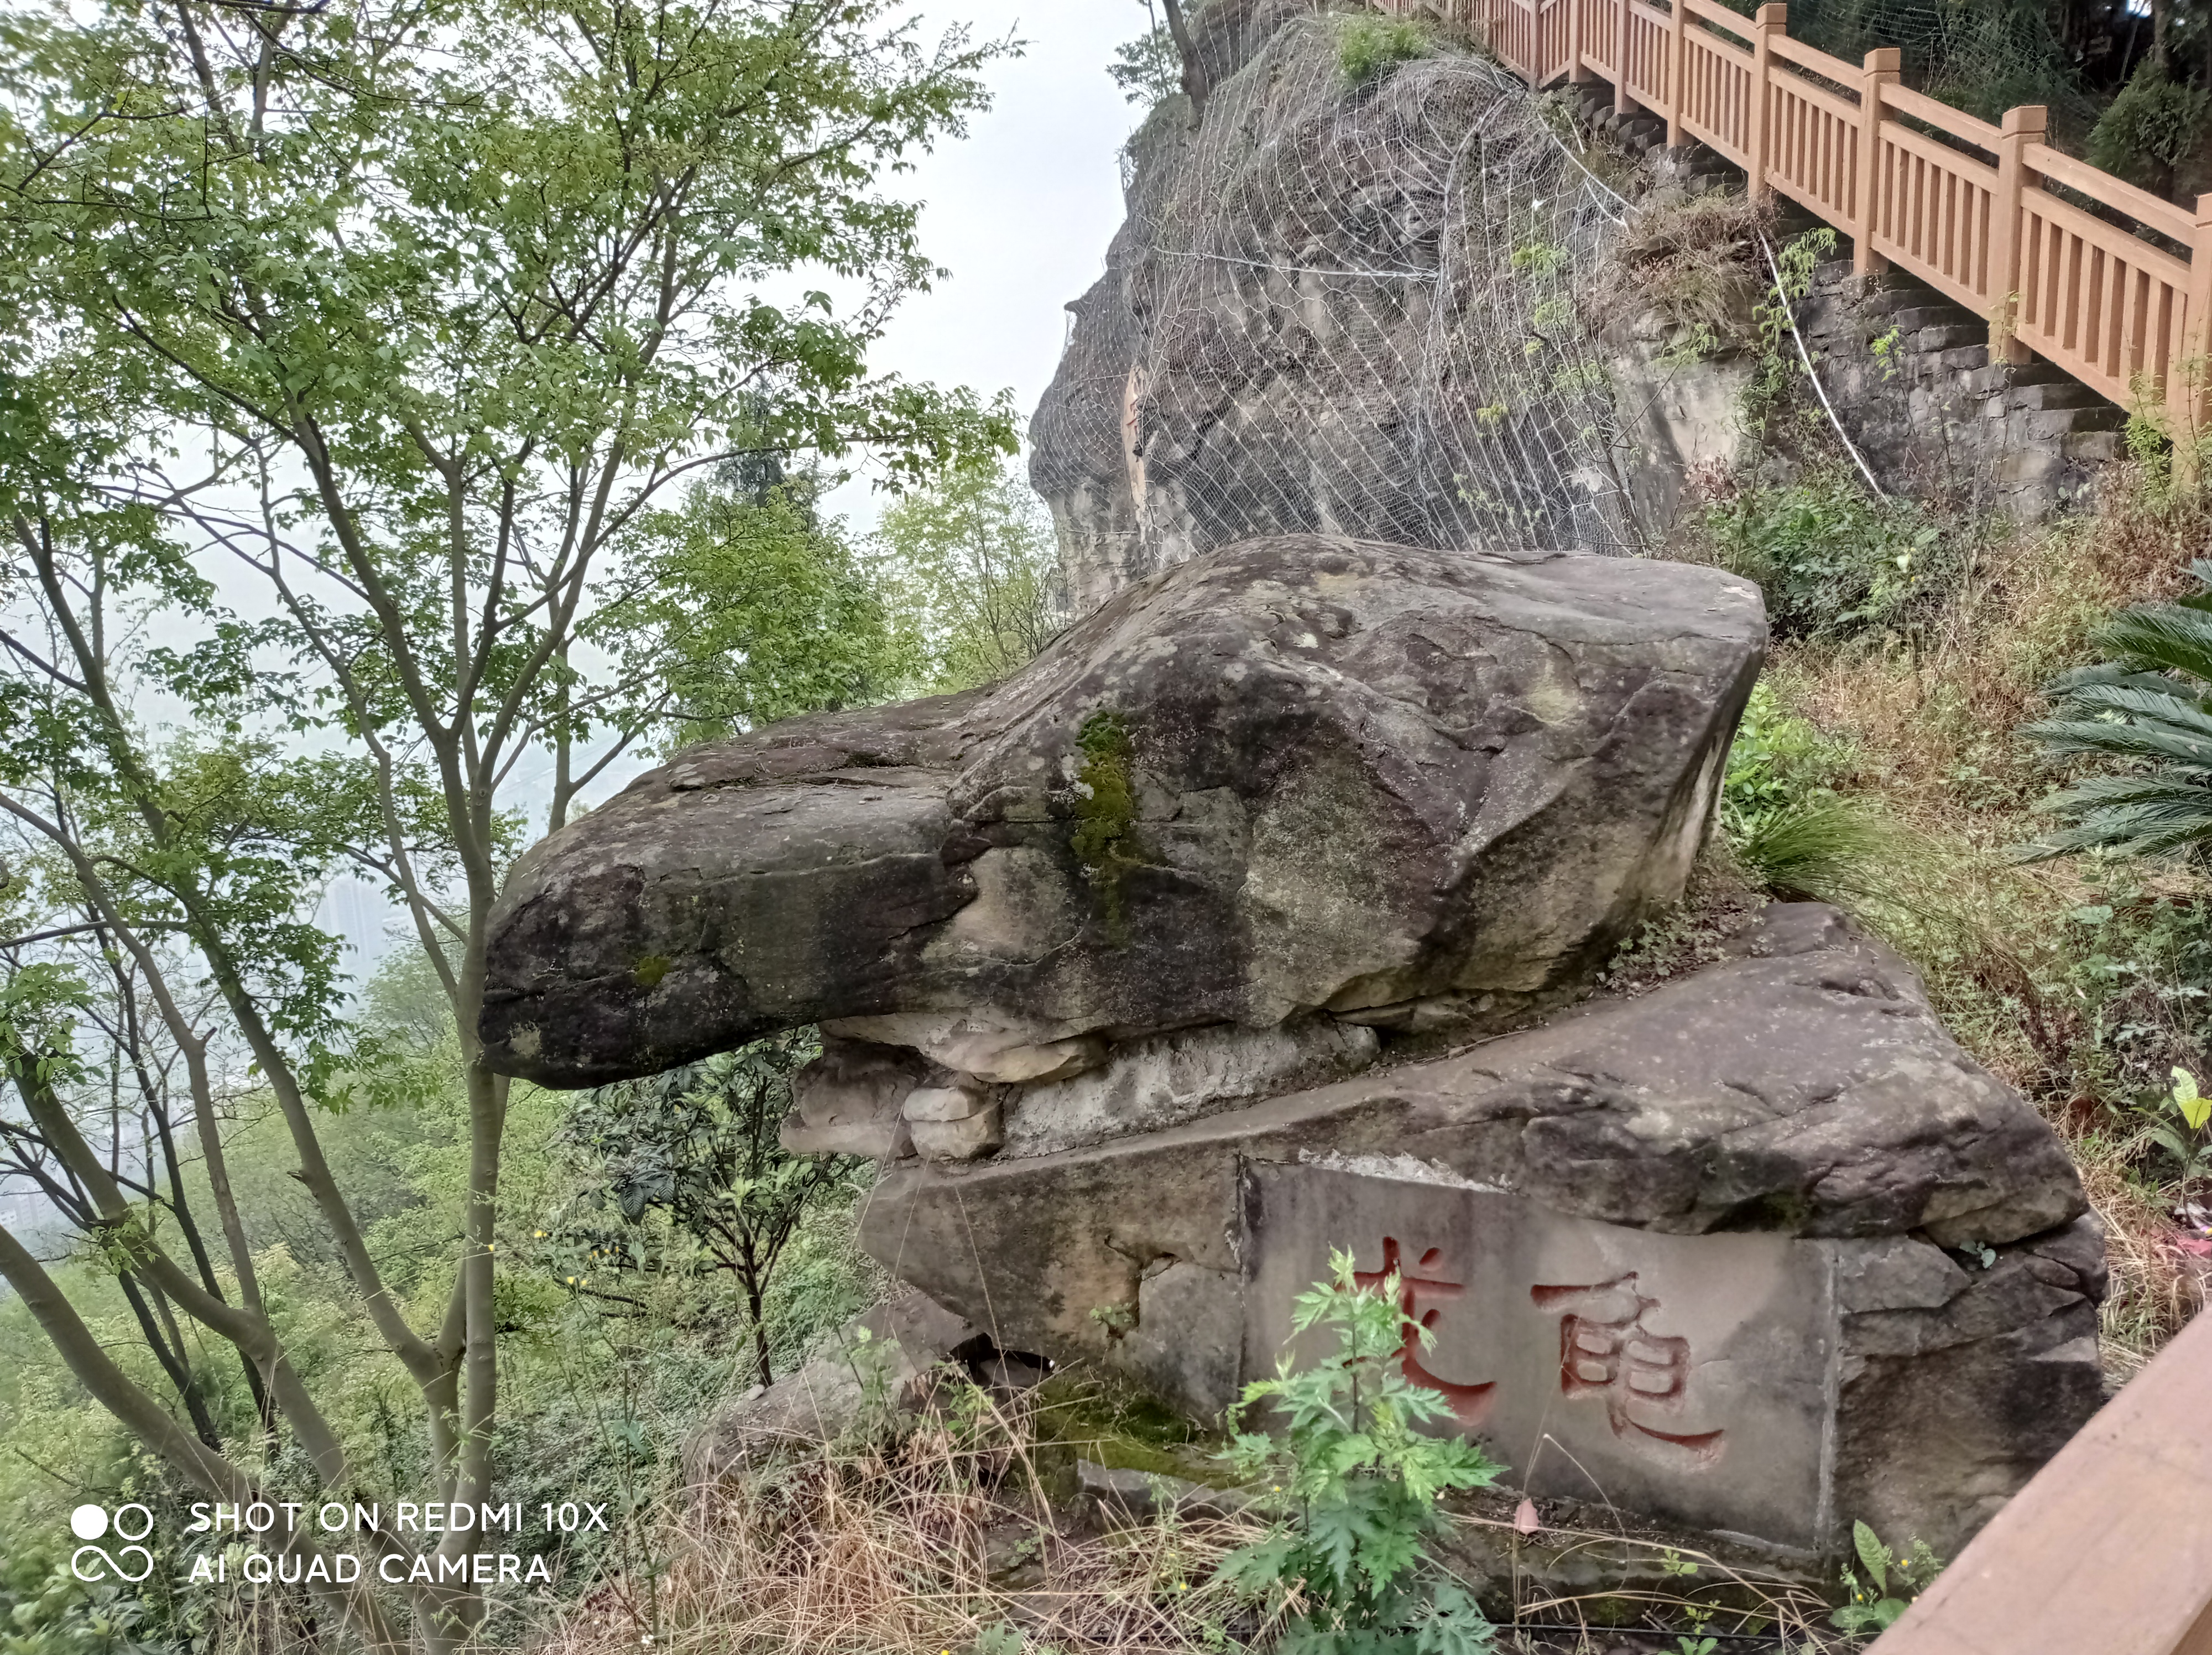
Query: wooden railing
{"x":2108,"y":1550}
{"x":2108,"y":282}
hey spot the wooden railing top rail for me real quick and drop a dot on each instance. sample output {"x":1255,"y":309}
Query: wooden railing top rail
{"x":1938,"y":115}
{"x":1713,"y":12}
{"x":2146,"y":209}
{"x":1804,"y":57}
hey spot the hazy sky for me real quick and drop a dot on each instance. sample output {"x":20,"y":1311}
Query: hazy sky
{"x":1020,"y":211}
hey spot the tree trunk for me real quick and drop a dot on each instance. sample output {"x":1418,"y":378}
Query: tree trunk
{"x":1193,"y":72}
{"x":760,"y":1332}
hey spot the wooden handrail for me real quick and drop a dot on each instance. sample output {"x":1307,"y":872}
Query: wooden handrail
{"x":2108,"y":1549}
{"x":2088,"y":294}
{"x":1940,"y":116}
{"x":2146,"y":209}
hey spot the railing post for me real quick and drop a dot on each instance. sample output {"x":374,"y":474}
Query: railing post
{"x":2022,"y":126}
{"x":1883,"y":67}
{"x":1622,"y":103}
{"x":2189,"y":381}
{"x":1772,"y":20}
{"x":1678,"y":17}
{"x":1578,"y":72}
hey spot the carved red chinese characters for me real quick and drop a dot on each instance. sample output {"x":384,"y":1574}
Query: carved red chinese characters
{"x":1469,"y":1403}
{"x":1605,"y":1350}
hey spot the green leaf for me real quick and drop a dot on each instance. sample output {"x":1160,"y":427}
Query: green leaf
{"x":1873,"y":1554}
{"x":2195,"y":1109}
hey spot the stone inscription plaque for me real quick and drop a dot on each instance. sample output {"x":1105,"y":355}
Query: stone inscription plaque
{"x":1686,"y":1378}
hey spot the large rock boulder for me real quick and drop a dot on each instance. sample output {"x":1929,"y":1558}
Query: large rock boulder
{"x":1760,"y":1249}
{"x":1303,"y":785}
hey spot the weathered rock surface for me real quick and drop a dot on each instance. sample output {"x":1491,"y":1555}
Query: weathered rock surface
{"x":1333,"y":307}
{"x":1299,"y":778}
{"x":884,"y":1360}
{"x":1779,"y":1148}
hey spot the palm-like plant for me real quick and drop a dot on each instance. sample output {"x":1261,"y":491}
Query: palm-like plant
{"x":2149,"y":707}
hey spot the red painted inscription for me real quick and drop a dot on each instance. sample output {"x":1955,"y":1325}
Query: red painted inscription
{"x":1606,"y":1351}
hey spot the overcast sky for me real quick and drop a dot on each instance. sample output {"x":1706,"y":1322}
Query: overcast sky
{"x":1020,"y":211}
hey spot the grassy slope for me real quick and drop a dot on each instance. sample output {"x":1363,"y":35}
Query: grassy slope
{"x":2080,"y":984}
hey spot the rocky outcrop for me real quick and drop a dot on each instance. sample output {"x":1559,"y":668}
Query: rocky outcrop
{"x":1334,"y":306}
{"x":1296,"y":790}
{"x":1909,"y":374}
{"x":1777,"y":1198}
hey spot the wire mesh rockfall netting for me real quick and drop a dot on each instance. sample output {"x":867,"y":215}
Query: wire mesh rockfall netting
{"x":1338,"y":305}
{"x":1984,"y":56}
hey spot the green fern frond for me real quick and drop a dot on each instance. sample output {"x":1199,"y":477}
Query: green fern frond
{"x":2161,"y":703}
{"x":2139,"y":740}
{"x":2162,"y":637}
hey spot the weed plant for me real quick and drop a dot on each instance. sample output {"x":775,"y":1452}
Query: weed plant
{"x":1347,"y":1568}
{"x":1834,"y":563}
{"x":1369,"y":46}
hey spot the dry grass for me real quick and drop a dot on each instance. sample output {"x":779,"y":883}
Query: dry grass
{"x":934,"y":1537}
{"x":1930,"y":729}
{"x":1699,"y":1589}
{"x":1693,"y":260}
{"x":2022,"y":610}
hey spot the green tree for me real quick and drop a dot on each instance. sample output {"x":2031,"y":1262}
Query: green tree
{"x":407,"y":317}
{"x":1148,"y":67}
{"x":688,"y":1167}
{"x":746,"y":607}
{"x":2155,"y":125}
{"x":974,"y":566}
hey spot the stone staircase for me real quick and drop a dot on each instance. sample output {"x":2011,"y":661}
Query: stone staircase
{"x":1908,"y":368}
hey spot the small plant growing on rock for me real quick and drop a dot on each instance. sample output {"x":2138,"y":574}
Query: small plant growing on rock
{"x":1369,"y":46}
{"x":1890,"y":1584}
{"x":1347,"y":1565}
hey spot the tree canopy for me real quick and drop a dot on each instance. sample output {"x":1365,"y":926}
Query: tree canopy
{"x":386,"y":396}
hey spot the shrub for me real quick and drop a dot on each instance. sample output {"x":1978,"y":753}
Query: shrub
{"x":2153,"y":126}
{"x":1362,"y":1485}
{"x":2148,"y":710}
{"x":1834,"y":561}
{"x":1369,"y":46}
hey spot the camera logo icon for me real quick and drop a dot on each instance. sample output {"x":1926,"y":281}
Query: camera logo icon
{"x":130,"y":1522}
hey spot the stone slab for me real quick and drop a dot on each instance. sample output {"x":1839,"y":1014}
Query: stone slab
{"x":1688,"y":1379}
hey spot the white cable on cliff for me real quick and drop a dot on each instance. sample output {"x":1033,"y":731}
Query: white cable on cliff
{"x":1781,"y":297}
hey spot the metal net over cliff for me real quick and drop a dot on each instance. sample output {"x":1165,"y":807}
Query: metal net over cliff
{"x":1343,"y":301}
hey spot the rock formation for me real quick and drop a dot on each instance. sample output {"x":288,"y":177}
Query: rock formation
{"x":1333,"y":308}
{"x":1298,"y":790}
{"x":1821,"y":1266}
{"x":1100,"y":955}
{"x":1246,"y":924}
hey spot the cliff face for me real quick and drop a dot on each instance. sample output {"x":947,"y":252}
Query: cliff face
{"x":1334,"y":306}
